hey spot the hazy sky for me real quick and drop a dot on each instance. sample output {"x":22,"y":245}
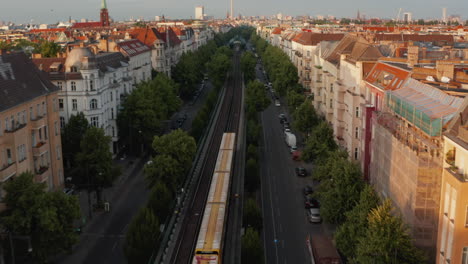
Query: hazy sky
{"x":51,"y":11}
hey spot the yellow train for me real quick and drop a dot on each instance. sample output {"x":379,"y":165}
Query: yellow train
{"x":208,"y":249}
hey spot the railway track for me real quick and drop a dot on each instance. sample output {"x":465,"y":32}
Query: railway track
{"x":228,"y":121}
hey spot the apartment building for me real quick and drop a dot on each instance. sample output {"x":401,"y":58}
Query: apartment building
{"x":452,"y":242}
{"x":407,"y":152}
{"x":92,"y":84}
{"x":29,"y":123}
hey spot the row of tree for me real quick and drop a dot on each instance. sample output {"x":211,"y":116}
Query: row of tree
{"x":146,"y":111}
{"x":256,"y":101}
{"x":165,"y":174}
{"x":217,"y":69}
{"x":46,"y":48}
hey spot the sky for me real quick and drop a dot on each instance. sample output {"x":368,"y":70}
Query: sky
{"x":52,"y":11}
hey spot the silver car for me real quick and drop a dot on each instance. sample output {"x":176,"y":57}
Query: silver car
{"x":313,"y":214}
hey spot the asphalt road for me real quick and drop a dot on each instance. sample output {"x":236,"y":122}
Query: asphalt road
{"x":103,"y":240}
{"x":284,"y":217}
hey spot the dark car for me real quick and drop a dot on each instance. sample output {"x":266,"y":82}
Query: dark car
{"x":301,"y":172}
{"x":286,"y":125}
{"x":282,"y":116}
{"x":311,"y":203}
{"x":308,"y":190}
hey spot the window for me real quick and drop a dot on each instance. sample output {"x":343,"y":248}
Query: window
{"x":95,"y":121}
{"x":59,"y":85}
{"x":93,"y":104}
{"x":57,"y":150}
{"x":61,"y":104}
{"x":111,"y":96}
{"x":38,"y":110}
{"x":62,"y":122}
{"x":113,"y":131}
{"x":331,"y":103}
{"x":9,"y":156}
{"x":46,"y":133}
{"x":7,"y":124}
{"x":356,"y":153}
{"x":357,"y":111}
{"x":466,"y":218}
{"x":331,"y":87}
{"x":33,"y":138}
{"x":356,"y":133}
{"x":54,"y":106}
{"x":465,"y":255}
{"x":73,"y":69}
{"x":23,"y":117}
{"x":44,"y":108}
{"x":31,"y":113}
{"x":73,"y":86}
{"x":91,"y":85}
{"x":74,"y":105}
{"x":56,"y":128}
{"x":21,"y":153}
{"x":112,"y":113}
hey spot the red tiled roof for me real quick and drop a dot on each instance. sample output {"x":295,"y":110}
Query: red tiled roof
{"x":87,"y":24}
{"x":276,"y":31}
{"x":383,"y":70}
{"x":312,"y":39}
{"x":133,"y":47}
{"x":44,"y":64}
{"x":173,"y":39}
{"x":147,"y":35}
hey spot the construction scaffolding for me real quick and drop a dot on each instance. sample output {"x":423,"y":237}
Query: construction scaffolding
{"x":423,"y":106}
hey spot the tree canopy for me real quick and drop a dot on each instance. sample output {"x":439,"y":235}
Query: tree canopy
{"x":72,"y":134}
{"x":248,"y":63}
{"x":142,"y":237}
{"x":386,"y":239}
{"x":45,"y":217}
{"x":252,"y":250}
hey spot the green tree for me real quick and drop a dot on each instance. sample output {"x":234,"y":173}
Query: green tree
{"x":48,"y":49}
{"x":295,"y":99}
{"x":94,"y":162}
{"x":166,"y":169}
{"x":252,"y":177}
{"x":253,"y":132}
{"x":142,"y":237}
{"x":248,"y":63}
{"x":160,"y":200}
{"x":252,"y":250}
{"x":178,"y":145}
{"x":340,"y":193}
{"x":72,"y":134}
{"x":319,"y":143}
{"x":347,"y":235}
{"x":256,"y":96}
{"x":252,"y":152}
{"x":252,"y":215}
{"x":305,"y":118}
{"x":45,"y":217}
{"x":386,"y":239}
{"x":218,"y":66}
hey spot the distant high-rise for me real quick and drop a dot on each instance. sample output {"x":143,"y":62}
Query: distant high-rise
{"x":444,"y":15}
{"x":199,"y":11}
{"x":407,"y":17}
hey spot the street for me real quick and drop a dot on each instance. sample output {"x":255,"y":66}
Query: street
{"x":285,"y":224}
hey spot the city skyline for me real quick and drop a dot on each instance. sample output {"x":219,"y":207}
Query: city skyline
{"x":52,"y":11}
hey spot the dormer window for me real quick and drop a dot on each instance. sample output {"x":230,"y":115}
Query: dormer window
{"x":73,"y":69}
{"x":91,"y":85}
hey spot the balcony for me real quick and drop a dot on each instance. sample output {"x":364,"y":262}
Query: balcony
{"x":42,"y":174}
{"x":40,"y":148}
{"x":453,"y":170}
{"x":7,"y":171}
{"x":37,"y":122}
{"x":16,"y":127}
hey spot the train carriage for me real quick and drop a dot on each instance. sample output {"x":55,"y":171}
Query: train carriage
{"x":208,"y":249}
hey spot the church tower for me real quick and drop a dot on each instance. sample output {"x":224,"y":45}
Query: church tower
{"x":104,"y":14}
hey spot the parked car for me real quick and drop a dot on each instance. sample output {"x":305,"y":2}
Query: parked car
{"x":311,"y":203}
{"x":308,"y":190}
{"x":292,"y":149}
{"x":282,"y":116}
{"x":287,"y":130}
{"x":301,"y":172}
{"x":313,"y":214}
{"x":296,"y":155}
{"x":277,"y":103}
{"x":286,"y":124}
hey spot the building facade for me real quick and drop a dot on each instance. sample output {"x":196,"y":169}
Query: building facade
{"x":29,"y":123}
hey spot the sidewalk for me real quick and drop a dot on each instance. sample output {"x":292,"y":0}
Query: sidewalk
{"x":128,"y":165}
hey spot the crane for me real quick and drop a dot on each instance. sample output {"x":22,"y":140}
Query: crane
{"x":398,"y":16}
